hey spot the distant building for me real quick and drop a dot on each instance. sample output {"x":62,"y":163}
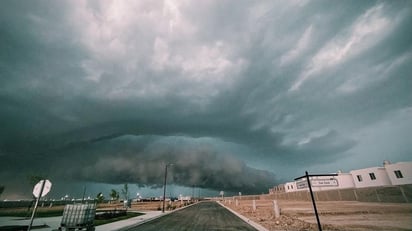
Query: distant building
{"x":387,"y":175}
{"x":184,"y":198}
{"x":279,"y":188}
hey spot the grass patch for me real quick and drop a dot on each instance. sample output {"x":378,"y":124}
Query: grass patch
{"x":106,"y":221}
{"x":23,"y":212}
{"x":57,"y":211}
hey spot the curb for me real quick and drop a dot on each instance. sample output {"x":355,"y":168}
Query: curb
{"x":245,"y":219}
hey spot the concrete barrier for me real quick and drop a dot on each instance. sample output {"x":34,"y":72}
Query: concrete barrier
{"x":389,"y":194}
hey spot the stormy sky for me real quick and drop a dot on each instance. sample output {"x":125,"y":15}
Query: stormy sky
{"x":238,"y":95}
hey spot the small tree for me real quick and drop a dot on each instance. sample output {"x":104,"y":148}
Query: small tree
{"x":114,"y":195}
{"x":99,"y":197}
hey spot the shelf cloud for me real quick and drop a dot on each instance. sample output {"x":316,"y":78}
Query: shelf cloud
{"x":238,"y":96}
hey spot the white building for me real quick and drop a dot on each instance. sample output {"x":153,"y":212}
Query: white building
{"x":389,"y":174}
{"x":345,"y":180}
{"x":290,"y":186}
{"x":399,"y":173}
{"x":184,"y":198}
{"x":370,"y":177}
{"x":277,"y":189}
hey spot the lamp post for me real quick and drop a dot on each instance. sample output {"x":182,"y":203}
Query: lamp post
{"x":164,"y":187}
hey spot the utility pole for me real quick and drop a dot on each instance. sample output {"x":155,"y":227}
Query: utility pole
{"x":164,"y":187}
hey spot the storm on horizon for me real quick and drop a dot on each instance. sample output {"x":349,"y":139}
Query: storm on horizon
{"x":238,"y":95}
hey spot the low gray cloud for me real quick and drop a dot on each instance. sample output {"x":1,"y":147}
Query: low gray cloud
{"x":260,"y":87}
{"x":141,"y":160}
{"x":200,"y":165}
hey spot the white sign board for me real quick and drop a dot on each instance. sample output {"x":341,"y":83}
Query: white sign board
{"x":301,"y":184}
{"x":324,"y":182}
{"x":46,"y":189}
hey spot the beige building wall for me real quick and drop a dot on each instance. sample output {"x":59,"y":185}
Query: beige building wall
{"x":399,"y":173}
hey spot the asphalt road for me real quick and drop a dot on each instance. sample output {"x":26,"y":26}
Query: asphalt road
{"x":202,"y":216}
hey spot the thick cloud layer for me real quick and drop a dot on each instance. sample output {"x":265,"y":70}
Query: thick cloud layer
{"x":232,"y":93}
{"x":193,"y":162}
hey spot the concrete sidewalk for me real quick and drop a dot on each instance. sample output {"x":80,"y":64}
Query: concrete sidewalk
{"x":53,"y":223}
{"x":131,"y":222}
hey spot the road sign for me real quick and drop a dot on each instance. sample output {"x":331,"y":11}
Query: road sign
{"x":40,"y":190}
{"x":300,"y":184}
{"x":317,"y":182}
{"x":324,"y":182}
{"x":46,"y":189}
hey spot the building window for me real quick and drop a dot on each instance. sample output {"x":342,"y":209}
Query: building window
{"x":398,"y":174}
{"x":372,"y":176}
{"x":359,"y":178}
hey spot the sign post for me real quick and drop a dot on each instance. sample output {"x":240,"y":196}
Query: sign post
{"x":40,"y":189}
{"x":313,"y":201}
{"x":328,"y":182}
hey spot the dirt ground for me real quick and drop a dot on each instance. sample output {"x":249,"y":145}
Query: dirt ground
{"x":337,"y":215}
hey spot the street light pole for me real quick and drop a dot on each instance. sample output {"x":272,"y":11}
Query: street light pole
{"x":164,"y":188}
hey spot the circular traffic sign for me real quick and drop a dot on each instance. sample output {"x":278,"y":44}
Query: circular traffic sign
{"x":46,"y":188}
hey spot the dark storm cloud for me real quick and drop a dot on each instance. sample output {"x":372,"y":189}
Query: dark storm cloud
{"x":142,"y":160}
{"x":241,"y":86}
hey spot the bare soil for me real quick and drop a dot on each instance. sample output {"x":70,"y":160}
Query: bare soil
{"x":333,"y":215}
